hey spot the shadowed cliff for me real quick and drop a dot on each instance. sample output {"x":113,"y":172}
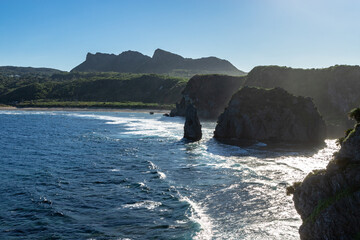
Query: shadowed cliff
{"x":328,"y":200}
{"x":334,"y":90}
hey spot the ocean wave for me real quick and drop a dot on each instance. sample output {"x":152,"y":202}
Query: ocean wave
{"x":199,"y":216}
{"x":148,"y":204}
{"x":157,"y":171}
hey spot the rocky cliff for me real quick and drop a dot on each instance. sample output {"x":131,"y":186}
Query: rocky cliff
{"x":328,"y":200}
{"x":270,"y":116}
{"x":334,"y":90}
{"x":210,"y":94}
{"x":162,"y":62}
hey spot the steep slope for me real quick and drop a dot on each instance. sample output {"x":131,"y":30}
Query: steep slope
{"x":210,"y":94}
{"x":334,"y":89}
{"x":162,"y":62}
{"x":328,"y":200}
{"x":270,"y":116}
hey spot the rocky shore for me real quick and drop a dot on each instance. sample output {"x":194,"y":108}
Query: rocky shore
{"x":328,"y":200}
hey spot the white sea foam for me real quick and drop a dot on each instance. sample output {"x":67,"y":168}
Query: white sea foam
{"x":141,"y":126}
{"x":198,"y":215}
{"x":154,"y":167}
{"x":142,"y":184}
{"x":148,"y":204}
{"x":161,"y":175}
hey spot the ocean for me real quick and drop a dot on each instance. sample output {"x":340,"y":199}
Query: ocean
{"x":118,"y":175}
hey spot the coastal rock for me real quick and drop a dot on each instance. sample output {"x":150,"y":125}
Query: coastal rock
{"x":350,"y":149}
{"x":328,"y":200}
{"x":334,"y":90}
{"x":270,"y":116}
{"x":210,"y":94}
{"x":192,"y":128}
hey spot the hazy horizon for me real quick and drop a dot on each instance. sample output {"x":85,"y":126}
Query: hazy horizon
{"x":298,"y":34}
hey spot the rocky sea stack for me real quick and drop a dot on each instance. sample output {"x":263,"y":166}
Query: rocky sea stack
{"x":192,"y":128}
{"x":328,"y":200}
{"x":270,"y":116}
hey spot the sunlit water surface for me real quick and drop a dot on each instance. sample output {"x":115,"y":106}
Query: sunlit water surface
{"x":102,"y":175}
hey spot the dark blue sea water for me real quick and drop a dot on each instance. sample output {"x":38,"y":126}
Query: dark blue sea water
{"x":113,"y":175}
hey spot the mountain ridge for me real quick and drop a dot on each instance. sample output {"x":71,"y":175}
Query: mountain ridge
{"x":162,"y":62}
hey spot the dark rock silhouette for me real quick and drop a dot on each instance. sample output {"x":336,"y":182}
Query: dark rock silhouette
{"x":270,"y":116}
{"x":328,"y":200}
{"x":192,"y":128}
{"x":210,"y":94}
{"x":162,"y":62}
{"x":334,"y":90}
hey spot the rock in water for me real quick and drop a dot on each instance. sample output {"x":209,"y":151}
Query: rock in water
{"x":328,"y":200}
{"x":192,"y":128}
{"x":270,"y":116}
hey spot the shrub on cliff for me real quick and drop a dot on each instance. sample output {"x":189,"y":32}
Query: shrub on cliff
{"x":355,"y":114}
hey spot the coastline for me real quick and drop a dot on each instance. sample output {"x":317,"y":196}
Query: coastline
{"x":137,"y":110}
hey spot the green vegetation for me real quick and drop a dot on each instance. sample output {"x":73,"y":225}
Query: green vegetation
{"x":325,"y":203}
{"x":341,"y":140}
{"x":355,"y":114}
{"x":69,"y":104}
{"x":75,"y":89}
{"x":357,"y":236}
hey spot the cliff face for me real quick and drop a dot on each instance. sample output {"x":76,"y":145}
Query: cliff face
{"x":271,"y":116}
{"x":334,"y":90}
{"x":210,"y":94}
{"x":328,"y":200}
{"x":162,"y":62}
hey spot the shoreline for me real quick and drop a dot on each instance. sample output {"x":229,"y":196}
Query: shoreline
{"x":130,"y":110}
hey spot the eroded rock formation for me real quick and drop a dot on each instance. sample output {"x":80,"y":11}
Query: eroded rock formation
{"x":192,"y":128}
{"x":270,"y":116}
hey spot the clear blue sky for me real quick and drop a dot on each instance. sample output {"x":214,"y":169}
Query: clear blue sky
{"x":296,"y":33}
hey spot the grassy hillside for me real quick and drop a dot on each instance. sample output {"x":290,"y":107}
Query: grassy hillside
{"x":90,"y":87}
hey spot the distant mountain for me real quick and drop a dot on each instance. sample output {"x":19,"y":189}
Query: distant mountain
{"x":11,"y":70}
{"x":162,"y":62}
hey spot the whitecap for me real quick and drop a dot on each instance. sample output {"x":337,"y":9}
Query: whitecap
{"x":161,"y":175}
{"x":198,"y":215}
{"x":148,"y":204}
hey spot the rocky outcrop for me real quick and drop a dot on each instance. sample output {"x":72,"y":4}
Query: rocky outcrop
{"x":270,"y":116}
{"x":162,"y":62}
{"x":334,"y":90}
{"x":210,"y":94}
{"x":328,"y":200}
{"x":192,"y":128}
